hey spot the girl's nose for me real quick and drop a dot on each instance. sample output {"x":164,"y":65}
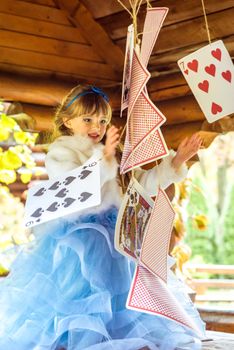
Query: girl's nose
{"x":96,"y":124}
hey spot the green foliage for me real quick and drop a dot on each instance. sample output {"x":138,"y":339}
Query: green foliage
{"x":211,"y":195}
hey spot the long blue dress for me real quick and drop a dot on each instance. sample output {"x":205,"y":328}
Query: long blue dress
{"x":68,"y":289}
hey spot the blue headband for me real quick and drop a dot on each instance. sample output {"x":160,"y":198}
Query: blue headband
{"x":92,"y":90}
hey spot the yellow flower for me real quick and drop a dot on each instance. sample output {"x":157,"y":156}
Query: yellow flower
{"x":10,"y":160}
{"x":200,"y":222}
{"x":7,"y":122}
{"x":181,"y":253}
{"x":7,"y":176}
{"x":26,"y":177}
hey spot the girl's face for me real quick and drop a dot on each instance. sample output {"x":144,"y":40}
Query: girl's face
{"x":93,"y":126}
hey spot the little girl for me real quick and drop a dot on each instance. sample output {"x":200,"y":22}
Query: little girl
{"x":69,"y":289}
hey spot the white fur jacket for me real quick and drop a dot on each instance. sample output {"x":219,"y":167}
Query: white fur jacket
{"x":69,"y":152}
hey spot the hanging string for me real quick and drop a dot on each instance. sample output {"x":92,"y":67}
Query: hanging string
{"x":148,"y":3}
{"x":125,"y":7}
{"x":206,"y":21}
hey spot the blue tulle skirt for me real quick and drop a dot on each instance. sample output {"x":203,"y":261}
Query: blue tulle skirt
{"x":68,"y":289}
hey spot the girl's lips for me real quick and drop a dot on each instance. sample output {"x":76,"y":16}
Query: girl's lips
{"x":94,"y":136}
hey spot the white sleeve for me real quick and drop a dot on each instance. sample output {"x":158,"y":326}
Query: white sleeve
{"x":59,"y":162}
{"x":162,"y":175}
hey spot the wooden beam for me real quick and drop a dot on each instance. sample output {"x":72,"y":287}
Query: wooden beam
{"x":179,"y":11}
{"x":40,"y":28}
{"x":96,"y":35}
{"x":50,"y":92}
{"x":37,"y":74}
{"x":49,"y":3}
{"x":191,"y":32}
{"x":37,"y":91}
{"x":57,"y":63}
{"x":162,"y":61}
{"x":28,"y":42}
{"x":33,"y":10}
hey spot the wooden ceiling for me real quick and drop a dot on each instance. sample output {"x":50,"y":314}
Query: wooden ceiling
{"x":48,"y":46}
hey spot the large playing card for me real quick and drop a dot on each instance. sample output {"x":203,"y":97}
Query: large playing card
{"x":153,"y":23}
{"x":149,"y":294}
{"x":76,"y":190}
{"x":133,"y":218}
{"x":156,"y":241}
{"x":127,"y":68}
{"x":210,"y":74}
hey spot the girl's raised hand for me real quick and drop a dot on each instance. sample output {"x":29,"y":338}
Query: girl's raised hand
{"x":112,"y":141}
{"x":186,"y":150}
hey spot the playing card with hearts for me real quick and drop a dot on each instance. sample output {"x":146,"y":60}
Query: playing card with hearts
{"x":76,"y":190}
{"x":209,"y":73}
{"x":132,"y":220}
{"x":149,"y":294}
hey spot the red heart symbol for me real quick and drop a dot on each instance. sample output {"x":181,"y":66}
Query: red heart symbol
{"x":227,"y":75}
{"x":193,"y":65}
{"x":216,"y":54}
{"x":216,"y":108}
{"x":204,"y":86}
{"x":186,"y":71}
{"x":211,"y":69}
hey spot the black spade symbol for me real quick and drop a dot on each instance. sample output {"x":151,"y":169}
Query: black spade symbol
{"x":84,"y":196}
{"x":37,"y":213}
{"x":84,"y":174}
{"x":53,"y":207}
{"x":55,"y":185}
{"x":62,"y":193}
{"x":40,"y":192}
{"x":68,"y":201}
{"x":68,"y":180}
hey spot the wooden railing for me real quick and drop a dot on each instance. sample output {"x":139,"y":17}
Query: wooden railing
{"x":214,"y":297}
{"x":200,"y":286}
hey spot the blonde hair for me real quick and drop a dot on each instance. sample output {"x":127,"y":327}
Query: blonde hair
{"x":80,"y":101}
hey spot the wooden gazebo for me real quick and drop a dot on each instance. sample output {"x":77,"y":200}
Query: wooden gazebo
{"x":48,"y":46}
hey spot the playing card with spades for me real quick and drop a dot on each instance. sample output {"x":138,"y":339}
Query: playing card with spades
{"x":209,"y":73}
{"x":76,"y":190}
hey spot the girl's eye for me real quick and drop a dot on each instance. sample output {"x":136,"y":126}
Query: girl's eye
{"x":103,"y":121}
{"x":87,"y":120}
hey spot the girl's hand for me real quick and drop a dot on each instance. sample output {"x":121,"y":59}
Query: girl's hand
{"x":186,"y":150}
{"x":112,"y":141}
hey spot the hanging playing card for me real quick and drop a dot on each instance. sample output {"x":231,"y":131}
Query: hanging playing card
{"x":144,"y":119}
{"x":148,"y":293}
{"x":139,"y":78}
{"x":132,"y":220}
{"x":76,"y":190}
{"x":210,"y":74}
{"x":127,"y":68}
{"x":156,"y":241}
{"x":152,"y":147}
{"x":155,"y":17}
